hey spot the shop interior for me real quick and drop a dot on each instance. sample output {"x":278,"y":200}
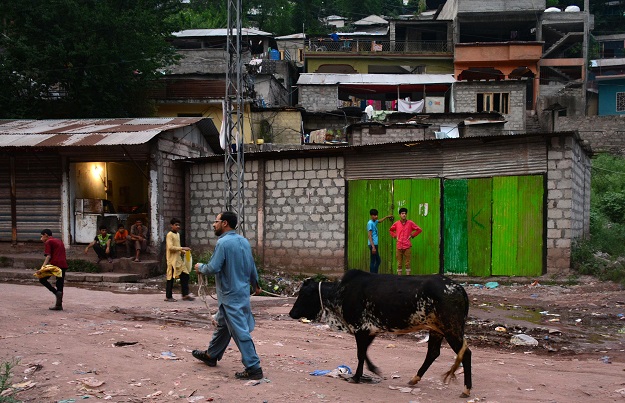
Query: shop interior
{"x":107,"y":193}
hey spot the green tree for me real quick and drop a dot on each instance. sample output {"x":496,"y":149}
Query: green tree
{"x":83,"y":58}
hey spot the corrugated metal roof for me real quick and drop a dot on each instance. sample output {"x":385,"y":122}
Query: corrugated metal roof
{"x":371,"y":20}
{"x":374,"y":79}
{"x":188,"y":33}
{"x":85,"y":132}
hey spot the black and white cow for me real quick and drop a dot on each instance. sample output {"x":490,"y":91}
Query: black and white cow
{"x":366,"y":305}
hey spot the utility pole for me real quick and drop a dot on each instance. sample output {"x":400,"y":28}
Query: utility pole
{"x":234,"y":158}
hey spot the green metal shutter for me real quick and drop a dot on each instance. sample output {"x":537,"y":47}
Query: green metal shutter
{"x":363,"y":195}
{"x":517,"y":226}
{"x":422,"y":198}
{"x":479,"y":226}
{"x":455,"y":242}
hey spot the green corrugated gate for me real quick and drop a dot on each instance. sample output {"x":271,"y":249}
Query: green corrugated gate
{"x":490,"y":226}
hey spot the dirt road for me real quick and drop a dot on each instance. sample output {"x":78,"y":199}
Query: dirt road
{"x":72,"y":355}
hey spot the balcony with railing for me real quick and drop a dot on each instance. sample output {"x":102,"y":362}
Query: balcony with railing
{"x":369,"y":46}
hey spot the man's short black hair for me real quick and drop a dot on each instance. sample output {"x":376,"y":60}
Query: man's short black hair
{"x":46,"y":232}
{"x":230,"y":218}
{"x":103,"y":227}
{"x":174,"y":221}
{"x":373,"y":212}
{"x":403,"y":210}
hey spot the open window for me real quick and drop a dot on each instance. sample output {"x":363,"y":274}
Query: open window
{"x":493,"y":102}
{"x":107,"y":193}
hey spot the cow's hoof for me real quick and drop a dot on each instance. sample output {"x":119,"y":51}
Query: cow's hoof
{"x":466,"y":393}
{"x":353,"y":380}
{"x":415,"y":379}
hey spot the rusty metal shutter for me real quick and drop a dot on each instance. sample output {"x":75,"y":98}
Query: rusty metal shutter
{"x":5,"y":199}
{"x":38,"y":195}
{"x":453,"y":158}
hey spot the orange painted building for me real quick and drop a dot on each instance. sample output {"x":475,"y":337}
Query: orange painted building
{"x":499,"y":61}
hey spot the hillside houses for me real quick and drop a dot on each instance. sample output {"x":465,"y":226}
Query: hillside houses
{"x":468,"y":115}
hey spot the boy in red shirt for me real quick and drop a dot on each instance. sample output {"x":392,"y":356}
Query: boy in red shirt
{"x":55,"y":255}
{"x":404,"y":230}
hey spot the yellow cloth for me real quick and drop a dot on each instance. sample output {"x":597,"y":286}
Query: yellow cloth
{"x":175,"y":264}
{"x":188,"y":260}
{"x":48,"y":270}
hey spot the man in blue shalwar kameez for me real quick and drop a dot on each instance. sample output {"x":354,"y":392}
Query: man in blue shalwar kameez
{"x":233,"y":265}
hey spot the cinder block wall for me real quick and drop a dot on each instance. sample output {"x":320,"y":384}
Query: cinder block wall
{"x":294,"y":215}
{"x":604,"y":133}
{"x":465,"y":99}
{"x":319,"y":98}
{"x":568,"y":200}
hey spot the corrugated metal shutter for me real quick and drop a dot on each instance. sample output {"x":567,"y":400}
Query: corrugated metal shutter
{"x":38,"y":195}
{"x":362,"y":197}
{"x":518,"y":247}
{"x":5,"y":199}
{"x":455,"y":255}
{"x":449,"y":159}
{"x":422,"y":198}
{"x":479,"y":226}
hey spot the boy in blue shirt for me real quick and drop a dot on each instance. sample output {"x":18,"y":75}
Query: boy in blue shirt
{"x":372,"y":231}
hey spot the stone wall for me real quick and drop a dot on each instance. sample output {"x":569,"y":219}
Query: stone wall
{"x":604,"y":133}
{"x":375,"y":134}
{"x":294,"y":216}
{"x":568,"y":199}
{"x":319,"y":98}
{"x":465,"y":99}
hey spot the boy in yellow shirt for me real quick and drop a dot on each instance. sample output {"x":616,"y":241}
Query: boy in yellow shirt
{"x":175,"y":266}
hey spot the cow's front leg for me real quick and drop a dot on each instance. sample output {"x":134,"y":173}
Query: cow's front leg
{"x":363,"y":340}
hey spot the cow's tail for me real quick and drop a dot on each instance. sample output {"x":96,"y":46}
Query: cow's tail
{"x":451,"y":374}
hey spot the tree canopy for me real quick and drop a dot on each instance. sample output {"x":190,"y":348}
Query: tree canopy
{"x":83,"y":58}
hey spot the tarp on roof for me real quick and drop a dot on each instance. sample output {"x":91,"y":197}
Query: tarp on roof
{"x":374,"y":79}
{"x":89,"y":132}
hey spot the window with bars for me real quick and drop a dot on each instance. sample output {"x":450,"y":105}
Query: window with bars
{"x":493,"y":102}
{"x":620,"y":101}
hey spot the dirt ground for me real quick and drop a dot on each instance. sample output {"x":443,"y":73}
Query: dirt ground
{"x":85,"y":352}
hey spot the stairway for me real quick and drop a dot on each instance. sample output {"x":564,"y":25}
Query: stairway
{"x":21,"y":261}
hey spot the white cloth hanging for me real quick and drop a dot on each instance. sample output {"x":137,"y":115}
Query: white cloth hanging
{"x":410,"y":106}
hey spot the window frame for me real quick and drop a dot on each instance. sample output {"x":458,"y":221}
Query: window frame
{"x":493,"y":102}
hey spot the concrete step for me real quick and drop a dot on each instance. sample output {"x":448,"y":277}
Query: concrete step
{"x":143,"y":269}
{"x":12,"y":274}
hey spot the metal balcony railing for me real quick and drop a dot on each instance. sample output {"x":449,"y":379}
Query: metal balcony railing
{"x":371,"y":46}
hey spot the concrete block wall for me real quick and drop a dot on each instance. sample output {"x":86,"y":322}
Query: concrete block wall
{"x":484,"y":6}
{"x":295,"y":211}
{"x":568,"y":200}
{"x":171,"y":190}
{"x":319,"y":98}
{"x":305,"y":214}
{"x":465,"y":99}
{"x":362,"y":134}
{"x":604,"y":133}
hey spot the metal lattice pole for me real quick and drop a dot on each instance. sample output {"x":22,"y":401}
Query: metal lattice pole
{"x":234,"y":157}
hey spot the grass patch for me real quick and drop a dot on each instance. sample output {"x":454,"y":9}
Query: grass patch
{"x":79,"y":265}
{"x":6,"y":261}
{"x":6,"y":396}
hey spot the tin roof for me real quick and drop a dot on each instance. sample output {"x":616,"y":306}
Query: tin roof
{"x":86,"y":132}
{"x":187,"y":33}
{"x":374,"y":79}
